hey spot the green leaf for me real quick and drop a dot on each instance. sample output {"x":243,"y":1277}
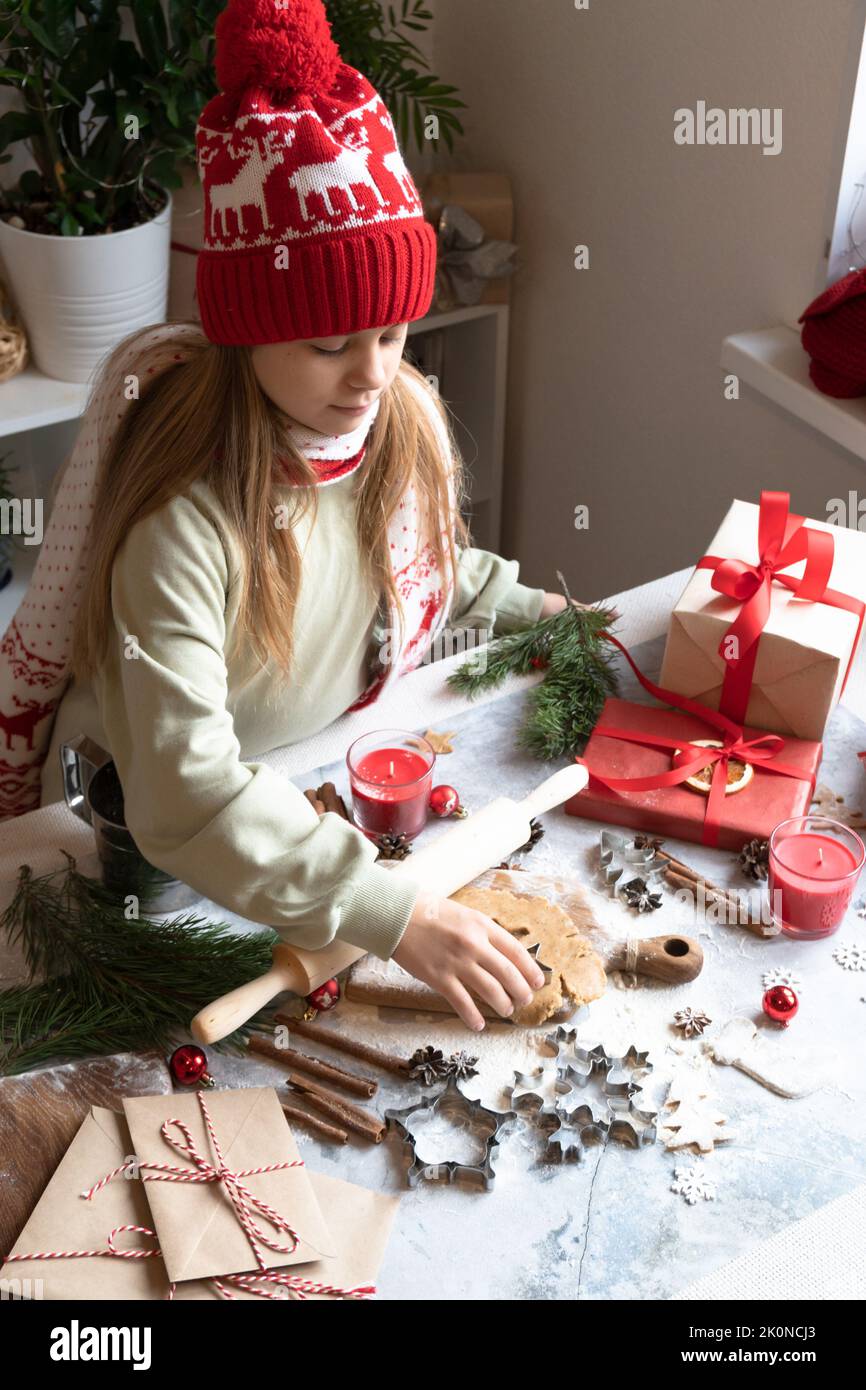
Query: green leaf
{"x":151,"y":31}
{"x":18,"y":125}
{"x":70,"y":226}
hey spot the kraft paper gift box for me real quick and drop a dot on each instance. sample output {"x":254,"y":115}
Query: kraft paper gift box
{"x":803,"y":651}
{"x":360,"y":1222}
{"x":679,"y":811}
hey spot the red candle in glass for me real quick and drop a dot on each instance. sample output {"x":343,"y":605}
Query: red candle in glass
{"x":391,"y":774}
{"x":814,"y":866}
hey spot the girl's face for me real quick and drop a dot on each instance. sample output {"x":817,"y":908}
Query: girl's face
{"x":322,"y":382}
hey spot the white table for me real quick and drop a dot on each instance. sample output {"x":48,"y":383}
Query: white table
{"x":609,"y":1228}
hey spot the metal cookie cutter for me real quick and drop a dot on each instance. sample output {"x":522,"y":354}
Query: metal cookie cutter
{"x":452,"y":1099}
{"x":615,"y":1114}
{"x":619,"y":857}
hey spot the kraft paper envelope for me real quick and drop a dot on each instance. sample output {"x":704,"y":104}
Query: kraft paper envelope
{"x":196,"y":1224}
{"x":360,"y":1219}
{"x":803,"y":651}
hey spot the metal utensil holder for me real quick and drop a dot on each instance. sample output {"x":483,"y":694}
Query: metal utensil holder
{"x":93,"y":791}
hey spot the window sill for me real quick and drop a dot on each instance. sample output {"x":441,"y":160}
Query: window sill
{"x":773,"y":362}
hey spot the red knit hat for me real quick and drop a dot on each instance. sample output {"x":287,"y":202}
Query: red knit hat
{"x":313,"y":224}
{"x":834,"y":335}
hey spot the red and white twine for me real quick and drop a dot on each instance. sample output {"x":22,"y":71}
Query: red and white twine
{"x":242,"y":1199}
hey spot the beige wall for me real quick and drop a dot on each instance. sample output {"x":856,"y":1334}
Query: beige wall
{"x":615,"y":392}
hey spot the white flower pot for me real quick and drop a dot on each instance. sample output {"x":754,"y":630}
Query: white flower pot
{"x":78,"y":296}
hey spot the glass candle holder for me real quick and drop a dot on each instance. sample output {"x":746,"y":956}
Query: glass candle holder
{"x":814,"y":866}
{"x":391,"y":775}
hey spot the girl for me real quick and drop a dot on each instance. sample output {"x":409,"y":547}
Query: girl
{"x":275,"y":534}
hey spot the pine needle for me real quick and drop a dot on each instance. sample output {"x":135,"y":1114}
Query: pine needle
{"x":580,"y":675}
{"x":112,"y":981}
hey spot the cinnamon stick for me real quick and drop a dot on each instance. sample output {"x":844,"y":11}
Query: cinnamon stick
{"x":362,"y":1122}
{"x":327,"y":793}
{"x":673,"y":875}
{"x":756,"y":926}
{"x":319,"y":1127}
{"x":688,"y":872}
{"x":356,"y":1085}
{"x":329,"y":1037}
{"x":317,"y":805}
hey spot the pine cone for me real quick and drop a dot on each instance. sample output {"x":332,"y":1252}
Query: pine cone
{"x":637,"y":894}
{"x":393,"y":846}
{"x":427,"y":1065}
{"x":754,"y":859}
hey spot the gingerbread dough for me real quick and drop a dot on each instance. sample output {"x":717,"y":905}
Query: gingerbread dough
{"x":577,"y":973}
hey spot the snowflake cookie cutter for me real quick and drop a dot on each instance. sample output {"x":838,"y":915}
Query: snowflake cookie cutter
{"x":627,"y":1121}
{"x":450,"y":1098}
{"x":616,"y":1114}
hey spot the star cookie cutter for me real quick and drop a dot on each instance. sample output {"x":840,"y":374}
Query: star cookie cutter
{"x":619,"y":856}
{"x":450,"y":1098}
{"x":616,"y":1115}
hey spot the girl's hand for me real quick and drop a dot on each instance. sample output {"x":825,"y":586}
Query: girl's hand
{"x":455,"y":949}
{"x":553,"y":603}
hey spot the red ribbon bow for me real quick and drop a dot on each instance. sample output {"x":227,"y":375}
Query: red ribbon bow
{"x":783,"y":540}
{"x":763,"y":749}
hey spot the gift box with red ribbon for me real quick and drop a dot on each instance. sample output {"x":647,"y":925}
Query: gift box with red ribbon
{"x":640,"y":759}
{"x":768,"y":625}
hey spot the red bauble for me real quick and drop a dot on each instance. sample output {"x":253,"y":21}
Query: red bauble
{"x":538,"y":662}
{"x":325,"y":997}
{"x":780,"y":1004}
{"x":444,"y":801}
{"x":188,"y":1066}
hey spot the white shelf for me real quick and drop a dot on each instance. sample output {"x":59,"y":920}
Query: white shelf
{"x":30,"y":400}
{"x":773,"y":361}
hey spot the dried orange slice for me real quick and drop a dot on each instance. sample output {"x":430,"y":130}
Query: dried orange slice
{"x":739,"y":774}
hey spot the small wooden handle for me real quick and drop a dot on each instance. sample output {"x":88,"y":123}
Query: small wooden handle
{"x":224,"y":1015}
{"x":676,"y":959}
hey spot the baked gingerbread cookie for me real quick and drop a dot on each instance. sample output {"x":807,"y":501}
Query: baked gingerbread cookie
{"x":577,"y":974}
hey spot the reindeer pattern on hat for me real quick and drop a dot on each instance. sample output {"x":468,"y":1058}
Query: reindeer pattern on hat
{"x":305,"y":171}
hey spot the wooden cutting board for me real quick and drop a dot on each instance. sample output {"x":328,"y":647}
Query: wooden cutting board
{"x":41,"y":1112}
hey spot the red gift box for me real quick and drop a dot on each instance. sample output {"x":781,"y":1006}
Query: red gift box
{"x":676,"y":810}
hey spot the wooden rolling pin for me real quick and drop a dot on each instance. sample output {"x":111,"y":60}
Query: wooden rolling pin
{"x":450,"y":862}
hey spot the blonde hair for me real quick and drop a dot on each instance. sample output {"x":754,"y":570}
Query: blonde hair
{"x":207,"y":417}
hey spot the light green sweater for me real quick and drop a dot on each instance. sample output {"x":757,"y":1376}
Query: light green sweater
{"x":184,"y":728}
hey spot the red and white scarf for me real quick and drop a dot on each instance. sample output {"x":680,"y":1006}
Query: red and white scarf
{"x":35,"y":650}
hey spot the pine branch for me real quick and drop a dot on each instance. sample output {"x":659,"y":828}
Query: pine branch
{"x":113,"y":982}
{"x":564,"y":708}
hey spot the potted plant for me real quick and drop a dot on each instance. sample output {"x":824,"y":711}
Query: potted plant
{"x":110,"y":122}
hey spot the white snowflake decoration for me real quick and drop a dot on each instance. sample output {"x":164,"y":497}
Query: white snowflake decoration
{"x":771,"y":978}
{"x":691,"y":1184}
{"x":850,"y":956}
